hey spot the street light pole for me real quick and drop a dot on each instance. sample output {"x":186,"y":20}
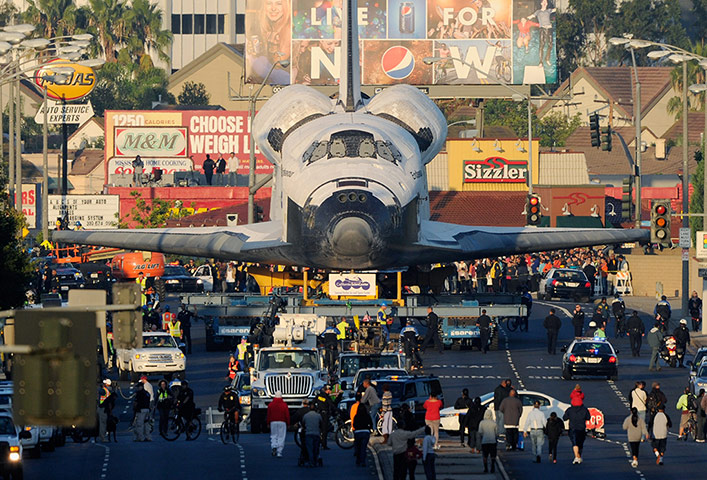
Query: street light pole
{"x":530,"y":148}
{"x":685,"y":187}
{"x":18,"y":141}
{"x":637,"y":113}
{"x":45,"y":168}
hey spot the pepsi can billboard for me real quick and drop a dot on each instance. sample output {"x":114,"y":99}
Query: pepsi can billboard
{"x":481,"y":41}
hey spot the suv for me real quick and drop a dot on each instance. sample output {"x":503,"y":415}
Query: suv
{"x":590,"y":356}
{"x":565,"y":282}
{"x":69,"y":278}
{"x":177,"y":279}
{"x":241,"y":384}
{"x":11,"y":439}
{"x":31,"y":440}
{"x":159,"y":354}
{"x":349,"y":363}
{"x":411,"y":389}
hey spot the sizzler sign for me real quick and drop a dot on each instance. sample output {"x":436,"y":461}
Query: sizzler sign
{"x":495,"y":170}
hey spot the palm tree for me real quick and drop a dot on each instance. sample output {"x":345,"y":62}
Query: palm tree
{"x":53,"y":17}
{"x":145,"y":23}
{"x":695,"y":74}
{"x":107,"y":22}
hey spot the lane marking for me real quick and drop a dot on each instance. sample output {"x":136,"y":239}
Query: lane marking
{"x":460,"y":366}
{"x":474,"y":377}
{"x":509,"y":357}
{"x":106,"y":459}
{"x":244,"y":473}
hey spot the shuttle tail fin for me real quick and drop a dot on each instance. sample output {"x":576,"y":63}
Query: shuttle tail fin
{"x":350,"y":81}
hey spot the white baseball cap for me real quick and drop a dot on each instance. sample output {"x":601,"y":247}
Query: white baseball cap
{"x":683,"y":321}
{"x":107,"y":381}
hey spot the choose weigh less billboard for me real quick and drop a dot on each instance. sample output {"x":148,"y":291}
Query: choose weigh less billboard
{"x":177,"y":140}
{"x":510,"y":41}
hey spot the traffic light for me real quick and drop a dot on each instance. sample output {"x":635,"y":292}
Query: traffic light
{"x":594,"y":128}
{"x":127,"y":325}
{"x":55,"y":384}
{"x":532,"y":211}
{"x":606,"y":139}
{"x":660,"y":222}
{"x":626,"y":200}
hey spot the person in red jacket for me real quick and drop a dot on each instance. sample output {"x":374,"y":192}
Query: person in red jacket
{"x":278,"y":418}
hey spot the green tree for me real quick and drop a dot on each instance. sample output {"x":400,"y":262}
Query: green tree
{"x":654,"y":20}
{"x":695,"y":74}
{"x":595,"y":17}
{"x":698,"y":14}
{"x":144,"y":20}
{"x":107,"y":21}
{"x":556,"y":127}
{"x":511,"y":114}
{"x":571,"y":43}
{"x":8,"y":12}
{"x":697,"y":197}
{"x":53,"y":17}
{"x":146,"y":214}
{"x":193,"y":94}
{"x":14,"y":263}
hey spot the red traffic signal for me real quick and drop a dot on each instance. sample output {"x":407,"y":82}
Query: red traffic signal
{"x":532,"y":210}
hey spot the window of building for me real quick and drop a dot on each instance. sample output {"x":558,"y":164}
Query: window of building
{"x":176,"y":24}
{"x":211,"y":24}
{"x":240,"y":23}
{"x":187,"y":25}
{"x":221,"y":24}
{"x":199,"y":24}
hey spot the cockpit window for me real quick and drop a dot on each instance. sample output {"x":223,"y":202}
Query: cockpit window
{"x":352,"y":143}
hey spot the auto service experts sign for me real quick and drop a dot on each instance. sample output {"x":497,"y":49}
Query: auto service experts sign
{"x":352,"y":284}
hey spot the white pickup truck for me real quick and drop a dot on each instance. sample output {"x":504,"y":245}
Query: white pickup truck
{"x":159,"y":355}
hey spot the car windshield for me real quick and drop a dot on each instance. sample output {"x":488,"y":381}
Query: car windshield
{"x":699,"y":357}
{"x":702,"y":372}
{"x":396,"y":389}
{"x":158,"y":341}
{"x":6,"y":426}
{"x":175,"y":271}
{"x":351,"y":364}
{"x":288,"y":359}
{"x":570,"y":276}
{"x":376,"y":374}
{"x":5,"y":400}
{"x":241,"y":382}
{"x":592,"y":348}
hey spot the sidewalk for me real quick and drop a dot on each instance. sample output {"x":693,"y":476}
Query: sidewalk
{"x":453,"y":462}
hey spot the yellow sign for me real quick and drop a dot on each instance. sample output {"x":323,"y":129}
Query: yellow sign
{"x":76,"y":85}
{"x":490,"y":164}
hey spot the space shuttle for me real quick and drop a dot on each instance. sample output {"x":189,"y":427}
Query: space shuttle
{"x":350,"y":188}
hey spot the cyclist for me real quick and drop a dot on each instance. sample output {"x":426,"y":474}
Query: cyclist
{"x":230,"y":404}
{"x":185,"y":402}
{"x":687,"y":405}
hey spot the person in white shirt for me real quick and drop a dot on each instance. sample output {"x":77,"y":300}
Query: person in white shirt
{"x":232,"y":163}
{"x":428,"y":454}
{"x":534,"y":426}
{"x":638,"y":399}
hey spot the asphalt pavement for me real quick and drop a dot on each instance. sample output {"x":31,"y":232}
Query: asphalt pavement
{"x":522,"y":357}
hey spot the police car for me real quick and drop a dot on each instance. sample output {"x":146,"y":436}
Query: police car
{"x":590,"y":356}
{"x":11,"y":438}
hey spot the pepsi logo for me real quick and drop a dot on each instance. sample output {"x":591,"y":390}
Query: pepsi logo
{"x":406,"y":10}
{"x":398,"y":62}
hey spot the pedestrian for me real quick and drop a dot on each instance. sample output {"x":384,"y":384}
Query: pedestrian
{"x":412,"y":453}
{"x":535,"y":428}
{"x":371,"y":401}
{"x":185,"y":317}
{"x":663,"y":309}
{"x":410,"y":335}
{"x":636,"y":330}
{"x":656,"y":398}
{"x":578,"y":321}
{"x":682,"y":340}
{"x":552,"y":324}
{"x":600,"y":332}
{"x":387,"y":410}
{"x":701,"y":415}
{"x":106,"y":404}
{"x":592,"y":329}
{"x":138,"y":169}
{"x":512,"y":408}
{"x":432,"y":407}
{"x":220,"y":169}
{"x":164,"y":405}
{"x":432,"y":333}
{"x":578,"y":417}
{"x":577,"y":396}
{"x":661,"y":425}
{"x":602,"y":309}
{"x":694,"y":306}
{"x":638,"y":399}
{"x":499,"y":394}
{"x":618,"y":308}
{"x":141,"y":410}
{"x":383,"y":322}
{"x":473,"y":418}
{"x":326,"y":407}
{"x":362,"y":426}
{"x":313,"y":426}
{"x":151,"y":391}
{"x":463,"y":403}
{"x":554,"y":427}
{"x":208,"y":167}
{"x":489,"y":436}
{"x":398,"y":444}
{"x":635,"y":430}
{"x":232,"y":367}
{"x":655,"y":339}
{"x":687,"y":403}
{"x":484,"y":324}
{"x":429,"y":455}
{"x":278,"y":417}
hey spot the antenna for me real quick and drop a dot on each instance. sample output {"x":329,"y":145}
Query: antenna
{"x":350,"y":81}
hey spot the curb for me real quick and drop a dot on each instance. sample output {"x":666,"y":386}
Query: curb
{"x":502,"y":469}
{"x":377,"y":462}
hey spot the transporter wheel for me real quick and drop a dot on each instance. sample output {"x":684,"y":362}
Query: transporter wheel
{"x":494,"y":342}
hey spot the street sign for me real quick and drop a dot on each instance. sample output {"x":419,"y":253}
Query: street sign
{"x":58,"y":113}
{"x":684,"y":238}
{"x":596,"y":420}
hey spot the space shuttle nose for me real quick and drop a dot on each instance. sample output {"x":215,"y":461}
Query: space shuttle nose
{"x":352,"y":237}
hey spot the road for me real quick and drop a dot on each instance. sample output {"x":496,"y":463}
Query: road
{"x":522,"y":358}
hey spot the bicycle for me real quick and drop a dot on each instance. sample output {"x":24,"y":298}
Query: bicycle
{"x":690,"y":427}
{"x":230,"y":429}
{"x":379,"y":423}
{"x":176,"y":426}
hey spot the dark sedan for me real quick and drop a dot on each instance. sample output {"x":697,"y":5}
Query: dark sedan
{"x":590,"y":356}
{"x":566,"y":283}
{"x":69,"y":278}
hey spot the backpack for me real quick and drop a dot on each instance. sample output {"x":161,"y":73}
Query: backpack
{"x":692,"y":402}
{"x":651,"y":402}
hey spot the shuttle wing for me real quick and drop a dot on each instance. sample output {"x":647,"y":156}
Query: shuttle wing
{"x":442,"y":241}
{"x":253,"y":242}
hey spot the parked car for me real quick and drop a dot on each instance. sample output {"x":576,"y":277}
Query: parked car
{"x":565,"y":283}
{"x":449,"y":417}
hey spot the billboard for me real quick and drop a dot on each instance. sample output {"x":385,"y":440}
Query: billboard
{"x":506,"y":41}
{"x":93,"y":211}
{"x":179,"y":140}
{"x":29,"y":204}
{"x":349,"y":284}
{"x":76,"y":85}
{"x":490,"y":164}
